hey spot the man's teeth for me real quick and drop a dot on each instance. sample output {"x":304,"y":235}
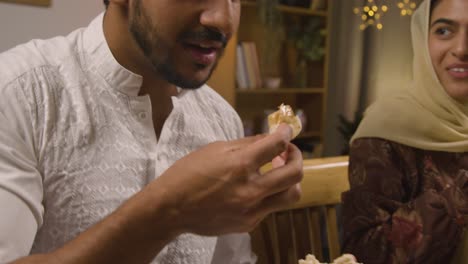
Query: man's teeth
{"x":205,"y":46}
{"x":460,"y":70}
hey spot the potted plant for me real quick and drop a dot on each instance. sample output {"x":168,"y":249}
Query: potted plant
{"x":273,"y":36}
{"x":307,"y":41}
{"x":348,"y":128}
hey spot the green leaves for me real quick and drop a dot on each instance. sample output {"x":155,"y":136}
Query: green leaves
{"x":308,"y":39}
{"x":272,"y":21}
{"x":269,"y":14}
{"x":348,"y":128}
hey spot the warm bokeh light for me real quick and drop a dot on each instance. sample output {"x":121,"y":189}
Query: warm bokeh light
{"x":407,"y":7}
{"x":371,"y":13}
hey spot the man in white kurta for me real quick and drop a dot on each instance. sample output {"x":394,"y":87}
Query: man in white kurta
{"x":76,"y":141}
{"x":112,"y":149}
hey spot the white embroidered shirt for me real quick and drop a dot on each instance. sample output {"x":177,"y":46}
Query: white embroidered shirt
{"x":76,"y":141}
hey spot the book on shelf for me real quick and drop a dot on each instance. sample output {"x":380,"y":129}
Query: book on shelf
{"x":247,"y":66}
{"x":241,"y":71}
{"x":248,"y":49}
{"x":256,"y":63}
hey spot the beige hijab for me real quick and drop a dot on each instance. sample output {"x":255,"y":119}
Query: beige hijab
{"x":424,"y":115}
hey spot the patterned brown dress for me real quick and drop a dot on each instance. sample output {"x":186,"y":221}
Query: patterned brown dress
{"x":405,"y":205}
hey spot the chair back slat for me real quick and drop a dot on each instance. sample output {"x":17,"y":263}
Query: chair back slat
{"x":292,"y":233}
{"x":273,"y":229}
{"x":332,"y":232}
{"x":314,"y":224}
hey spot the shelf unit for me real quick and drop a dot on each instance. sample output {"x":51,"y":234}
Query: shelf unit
{"x":254,"y":104}
{"x":291,"y":9}
{"x":283,"y":91}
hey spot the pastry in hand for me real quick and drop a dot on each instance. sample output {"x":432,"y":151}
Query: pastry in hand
{"x":343,"y":259}
{"x":346,"y":259}
{"x":286,"y":115}
{"x":310,"y":259}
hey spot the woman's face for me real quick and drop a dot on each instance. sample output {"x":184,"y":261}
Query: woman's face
{"x":448,"y":46}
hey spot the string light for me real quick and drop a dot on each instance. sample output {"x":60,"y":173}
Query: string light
{"x":371,"y":14}
{"x":406,"y":7}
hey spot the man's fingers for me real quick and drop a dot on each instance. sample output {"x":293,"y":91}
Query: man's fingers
{"x":265,"y":149}
{"x":242,"y":142}
{"x":279,"y":201}
{"x":282,"y":200}
{"x":281,"y":178}
{"x":278,"y":161}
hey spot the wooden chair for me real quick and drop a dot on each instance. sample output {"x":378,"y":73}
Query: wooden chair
{"x":288,"y":235}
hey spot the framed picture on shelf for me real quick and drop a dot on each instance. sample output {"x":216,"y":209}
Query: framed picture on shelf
{"x":30,"y":2}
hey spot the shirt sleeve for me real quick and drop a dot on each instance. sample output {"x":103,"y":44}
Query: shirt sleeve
{"x":389,"y":217}
{"x":234,"y":249}
{"x":21,"y":190}
{"x":18,"y":227}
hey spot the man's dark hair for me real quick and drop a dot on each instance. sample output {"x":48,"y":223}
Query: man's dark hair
{"x":106,"y":2}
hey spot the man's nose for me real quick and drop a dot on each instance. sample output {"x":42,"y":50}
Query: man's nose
{"x":220,"y":15}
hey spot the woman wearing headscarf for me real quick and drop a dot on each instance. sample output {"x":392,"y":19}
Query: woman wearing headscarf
{"x":408,"y":201}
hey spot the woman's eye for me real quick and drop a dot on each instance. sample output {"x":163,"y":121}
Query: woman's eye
{"x":443,"y":31}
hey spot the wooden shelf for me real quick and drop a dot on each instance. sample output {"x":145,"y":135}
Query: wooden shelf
{"x":283,"y":91}
{"x":30,"y":2}
{"x":252,"y":103}
{"x":292,"y":9}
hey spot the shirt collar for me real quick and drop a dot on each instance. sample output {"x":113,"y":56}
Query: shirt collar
{"x":102,"y":61}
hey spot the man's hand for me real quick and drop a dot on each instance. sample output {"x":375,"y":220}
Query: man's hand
{"x":219,"y":188}
{"x":216,"y":190}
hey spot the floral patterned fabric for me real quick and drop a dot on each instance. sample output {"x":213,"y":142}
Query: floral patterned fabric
{"x":405,"y":205}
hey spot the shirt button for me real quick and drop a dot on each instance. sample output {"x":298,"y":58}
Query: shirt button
{"x":142,"y":115}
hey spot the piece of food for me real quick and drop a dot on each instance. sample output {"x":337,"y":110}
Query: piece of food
{"x":285,"y":114}
{"x":310,"y":259}
{"x":345,"y":259}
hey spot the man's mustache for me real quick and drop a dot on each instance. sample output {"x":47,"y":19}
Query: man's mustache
{"x":205,"y":34}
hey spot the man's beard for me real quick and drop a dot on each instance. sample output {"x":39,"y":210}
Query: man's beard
{"x":159,"y":54}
